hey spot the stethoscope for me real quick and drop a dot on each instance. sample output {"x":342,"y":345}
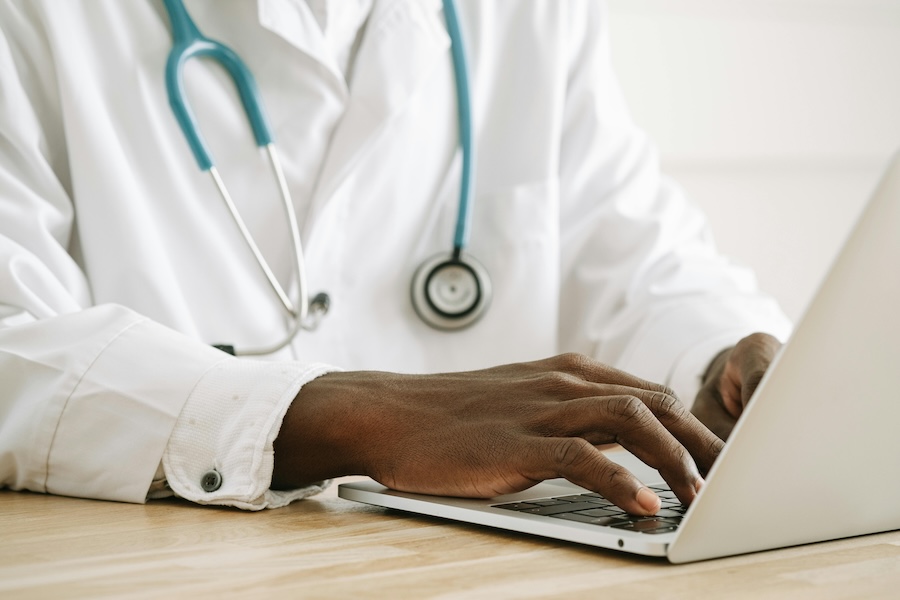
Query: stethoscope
{"x":449,"y":291}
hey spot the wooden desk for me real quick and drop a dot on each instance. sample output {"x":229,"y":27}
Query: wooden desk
{"x":53,"y":547}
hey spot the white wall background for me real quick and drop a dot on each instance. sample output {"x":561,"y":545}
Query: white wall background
{"x":776,"y":116}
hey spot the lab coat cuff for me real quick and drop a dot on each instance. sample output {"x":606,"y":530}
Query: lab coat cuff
{"x":679,"y":345}
{"x":222,"y":447}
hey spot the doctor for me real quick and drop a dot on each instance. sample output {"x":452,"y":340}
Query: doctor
{"x":121,"y":266}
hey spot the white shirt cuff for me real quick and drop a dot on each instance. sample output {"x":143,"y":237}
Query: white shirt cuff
{"x":221,"y":449}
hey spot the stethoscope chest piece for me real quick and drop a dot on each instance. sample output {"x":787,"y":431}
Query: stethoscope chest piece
{"x":450,"y":292}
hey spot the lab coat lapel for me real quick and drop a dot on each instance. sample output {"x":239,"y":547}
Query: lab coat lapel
{"x":294,"y":22}
{"x":404,"y":40}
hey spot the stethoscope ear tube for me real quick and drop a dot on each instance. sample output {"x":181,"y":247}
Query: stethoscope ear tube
{"x":188,"y":42}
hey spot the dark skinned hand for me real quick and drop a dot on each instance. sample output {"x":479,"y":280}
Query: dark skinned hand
{"x":730,"y":381}
{"x":496,"y":431}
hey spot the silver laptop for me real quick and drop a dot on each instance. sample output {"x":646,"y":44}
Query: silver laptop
{"x":816,"y":456}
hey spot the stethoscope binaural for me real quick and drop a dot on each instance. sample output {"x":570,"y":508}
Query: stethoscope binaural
{"x":449,"y":291}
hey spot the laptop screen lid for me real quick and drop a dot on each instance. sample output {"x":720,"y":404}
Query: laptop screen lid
{"x":816,"y":455}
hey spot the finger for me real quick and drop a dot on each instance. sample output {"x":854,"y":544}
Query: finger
{"x":589,"y":370}
{"x":754,"y":365}
{"x":702,"y":444}
{"x":749,"y":384}
{"x":710,"y":412}
{"x":753,"y":356}
{"x":743,"y":372}
{"x":581,"y":463}
{"x":628,"y":421}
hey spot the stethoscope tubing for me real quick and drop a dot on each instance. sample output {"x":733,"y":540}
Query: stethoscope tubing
{"x":188,"y":42}
{"x":464,"y":109}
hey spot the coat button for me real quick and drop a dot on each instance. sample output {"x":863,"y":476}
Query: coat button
{"x":211,"y":481}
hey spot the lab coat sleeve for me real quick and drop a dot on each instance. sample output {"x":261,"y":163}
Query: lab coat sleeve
{"x":643,"y":287}
{"x":93,"y":398}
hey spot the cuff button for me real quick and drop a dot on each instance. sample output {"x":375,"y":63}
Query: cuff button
{"x":211,"y":481}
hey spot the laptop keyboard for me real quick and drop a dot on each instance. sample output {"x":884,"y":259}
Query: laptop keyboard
{"x":595,"y":509}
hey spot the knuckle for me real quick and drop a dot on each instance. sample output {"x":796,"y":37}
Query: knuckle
{"x":664,"y":389}
{"x":761,"y":339}
{"x":715,"y":447}
{"x":575,"y":363}
{"x":757,"y":345}
{"x":556,"y":382}
{"x":666,"y":406}
{"x":569,"y":453}
{"x":682,"y":456}
{"x":629,"y":409}
{"x":754,"y":379}
{"x":609,"y":476}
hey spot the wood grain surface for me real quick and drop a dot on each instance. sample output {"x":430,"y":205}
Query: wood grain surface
{"x":326,"y":547}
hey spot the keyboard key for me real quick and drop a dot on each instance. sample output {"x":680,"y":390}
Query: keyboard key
{"x":601,"y":512}
{"x":559,"y":508}
{"x":645,"y":525}
{"x":661,"y":530}
{"x":596,"y":498}
{"x":575,"y":498}
{"x":548,"y":502}
{"x":580,"y":518}
{"x":515,"y":505}
{"x":600,"y":501}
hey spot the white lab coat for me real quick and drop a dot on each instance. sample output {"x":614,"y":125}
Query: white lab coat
{"x":119,"y":265}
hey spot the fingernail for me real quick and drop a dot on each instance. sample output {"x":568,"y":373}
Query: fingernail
{"x":648,"y":500}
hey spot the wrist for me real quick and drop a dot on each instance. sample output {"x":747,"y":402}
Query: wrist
{"x":317,"y":440}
